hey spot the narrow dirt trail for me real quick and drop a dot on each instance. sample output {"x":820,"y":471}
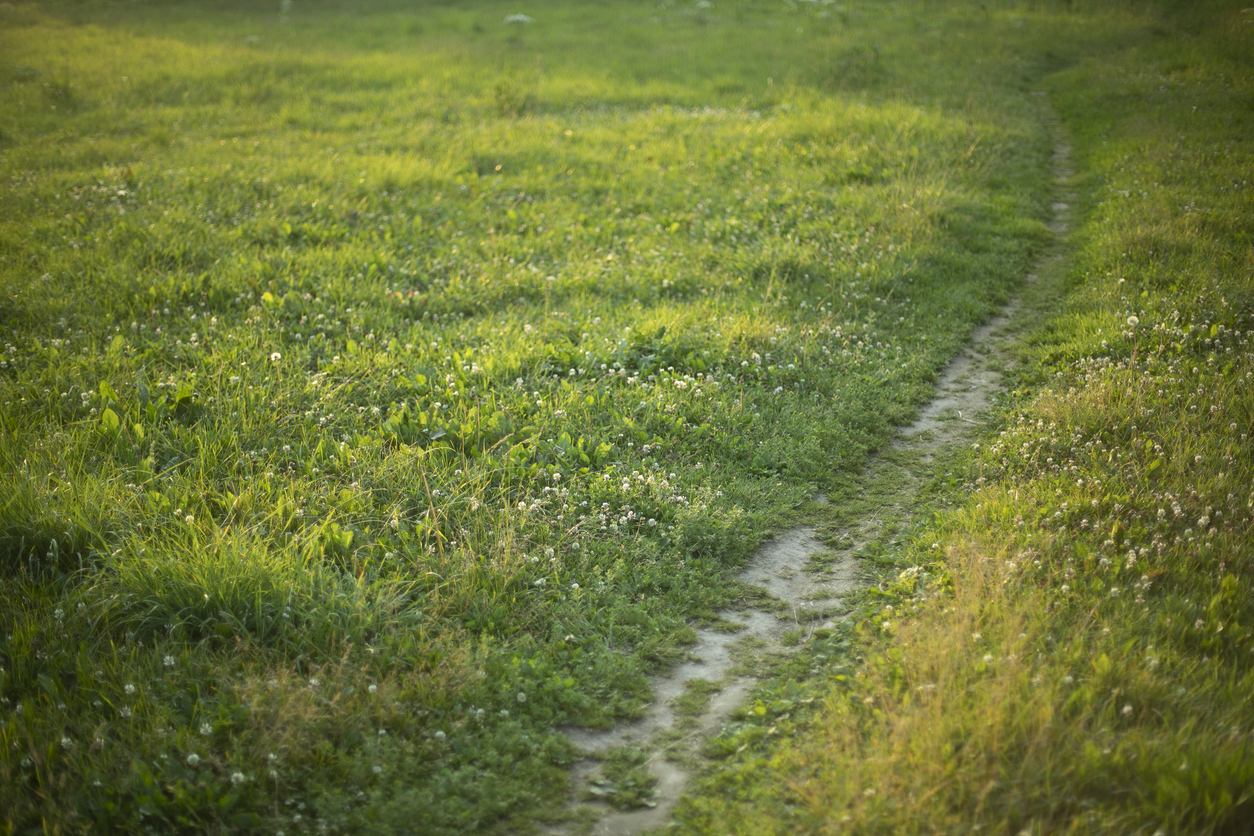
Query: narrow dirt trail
{"x":807,"y":594}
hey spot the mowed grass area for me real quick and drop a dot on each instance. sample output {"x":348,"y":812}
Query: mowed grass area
{"x":1071,"y":650}
{"x":385,"y":387}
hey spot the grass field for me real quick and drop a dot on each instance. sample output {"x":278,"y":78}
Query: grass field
{"x":386,"y":386}
{"x":1075,"y":655}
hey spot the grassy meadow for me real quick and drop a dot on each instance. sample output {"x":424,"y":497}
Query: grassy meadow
{"x":387,"y":386}
{"x":1070,"y":649}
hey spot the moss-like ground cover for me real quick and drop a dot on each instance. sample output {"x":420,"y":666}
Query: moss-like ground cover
{"x":385,"y":385}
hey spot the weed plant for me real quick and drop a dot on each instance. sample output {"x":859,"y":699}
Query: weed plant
{"x":386,"y":386}
{"x":1071,"y":652}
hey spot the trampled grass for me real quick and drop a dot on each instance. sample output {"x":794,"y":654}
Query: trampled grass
{"x":386,"y":386}
{"x":1071,"y":652}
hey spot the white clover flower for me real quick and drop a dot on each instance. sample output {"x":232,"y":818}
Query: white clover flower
{"x":193,"y":759}
{"x":276,"y":357}
{"x":124,"y":712}
{"x":439,"y":735}
{"x":377,"y":770}
{"x":372,"y":689}
{"x":168,"y":661}
{"x":66,"y":742}
{"x":1127,"y":709}
{"x":237,"y":778}
{"x":520,"y":20}
{"x":206,"y":729}
{"x":129,"y":689}
{"x":988,"y":658}
{"x":522,"y":696}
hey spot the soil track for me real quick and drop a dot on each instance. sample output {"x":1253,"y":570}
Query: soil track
{"x":805,"y":596}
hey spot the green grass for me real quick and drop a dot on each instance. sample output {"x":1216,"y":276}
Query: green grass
{"x":1072,"y":652}
{"x":385,"y":386}
{"x":626,"y":783}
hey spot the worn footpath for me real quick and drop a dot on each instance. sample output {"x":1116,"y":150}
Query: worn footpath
{"x":806,"y":579}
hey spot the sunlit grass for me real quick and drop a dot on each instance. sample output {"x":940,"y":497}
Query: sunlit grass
{"x":1071,"y":652}
{"x":384,"y":388}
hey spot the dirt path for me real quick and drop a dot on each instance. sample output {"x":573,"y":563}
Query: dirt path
{"x":808,"y":593}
